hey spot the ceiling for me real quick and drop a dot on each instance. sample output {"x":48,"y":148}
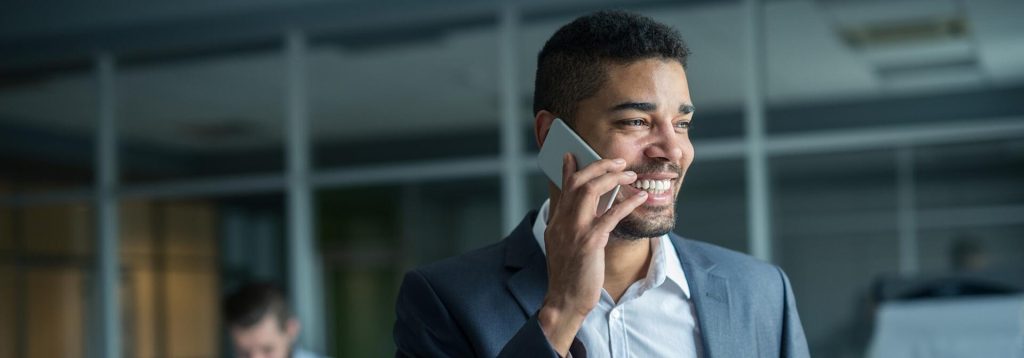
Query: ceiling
{"x":447,"y":82}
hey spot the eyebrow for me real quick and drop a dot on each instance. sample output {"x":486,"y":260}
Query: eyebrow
{"x":649,"y":107}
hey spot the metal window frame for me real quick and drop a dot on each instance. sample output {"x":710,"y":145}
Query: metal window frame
{"x":512,"y":166}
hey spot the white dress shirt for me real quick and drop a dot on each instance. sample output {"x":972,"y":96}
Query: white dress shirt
{"x":654,"y":318}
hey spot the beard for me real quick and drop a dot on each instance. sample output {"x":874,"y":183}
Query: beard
{"x":653,"y":221}
{"x":635,"y":227}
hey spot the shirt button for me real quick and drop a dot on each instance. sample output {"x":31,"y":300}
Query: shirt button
{"x":615,"y":314}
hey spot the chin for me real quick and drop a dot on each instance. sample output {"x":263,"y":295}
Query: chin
{"x":646,"y":222}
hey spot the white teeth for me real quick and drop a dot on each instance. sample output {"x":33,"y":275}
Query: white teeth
{"x":653,"y":186}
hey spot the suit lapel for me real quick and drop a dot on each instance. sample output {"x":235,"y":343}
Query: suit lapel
{"x":710,"y":294}
{"x":708,"y":289}
{"x":530,"y":282}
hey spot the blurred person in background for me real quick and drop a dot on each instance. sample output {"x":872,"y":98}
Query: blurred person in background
{"x":261,"y":324}
{"x":570,"y":281}
{"x":970,"y":275}
{"x":967,"y":255}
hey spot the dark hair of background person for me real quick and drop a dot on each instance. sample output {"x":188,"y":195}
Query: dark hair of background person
{"x":572,"y":65}
{"x":966,"y":254}
{"x":250,"y":303}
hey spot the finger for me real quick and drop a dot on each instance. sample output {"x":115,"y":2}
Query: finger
{"x":606,"y":223}
{"x":594,"y":170}
{"x":568,"y":167}
{"x":587,"y":196}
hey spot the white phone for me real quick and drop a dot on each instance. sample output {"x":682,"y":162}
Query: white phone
{"x":560,"y":140}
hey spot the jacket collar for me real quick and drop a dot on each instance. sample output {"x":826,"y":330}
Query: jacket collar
{"x":709,"y":288}
{"x":529,"y":284}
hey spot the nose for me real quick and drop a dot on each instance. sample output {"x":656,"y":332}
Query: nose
{"x":665,"y":144}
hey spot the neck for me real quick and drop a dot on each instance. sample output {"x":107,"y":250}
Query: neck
{"x":625,"y":262}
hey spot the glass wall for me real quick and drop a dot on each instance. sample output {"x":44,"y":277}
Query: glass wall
{"x":371,"y":235}
{"x":374,"y":101}
{"x":406,"y":163}
{"x":170,"y":285}
{"x":197,"y":116}
{"x":835,"y":221}
{"x":47,"y":129}
{"x":45,"y":269}
{"x":970,"y":202}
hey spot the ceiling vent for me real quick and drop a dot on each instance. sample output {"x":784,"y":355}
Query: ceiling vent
{"x":929,"y":52}
{"x":906,"y":32}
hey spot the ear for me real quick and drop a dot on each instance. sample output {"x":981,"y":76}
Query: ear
{"x":541,"y":126}
{"x":293,"y":328}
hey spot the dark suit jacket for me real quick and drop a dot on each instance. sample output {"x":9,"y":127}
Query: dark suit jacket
{"x":484,"y":303}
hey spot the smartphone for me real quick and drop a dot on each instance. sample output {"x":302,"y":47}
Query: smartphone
{"x":560,"y":140}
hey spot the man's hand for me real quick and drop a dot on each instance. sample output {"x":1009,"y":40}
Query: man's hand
{"x":575,"y":239}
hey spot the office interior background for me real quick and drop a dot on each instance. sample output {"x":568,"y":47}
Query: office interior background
{"x":155,"y":155}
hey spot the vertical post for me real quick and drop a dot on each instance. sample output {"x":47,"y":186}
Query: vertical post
{"x":107,"y":276}
{"x":758,"y":195}
{"x":158,"y":230}
{"x":303,"y":261}
{"x":513,"y":189}
{"x":906,"y":210}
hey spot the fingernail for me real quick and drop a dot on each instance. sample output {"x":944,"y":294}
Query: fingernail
{"x":642,"y":193}
{"x":629,"y":173}
{"x":619,"y":161}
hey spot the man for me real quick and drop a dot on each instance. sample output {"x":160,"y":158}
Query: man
{"x":572,"y":281}
{"x":261,"y":324}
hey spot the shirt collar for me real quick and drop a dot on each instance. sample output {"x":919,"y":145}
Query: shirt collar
{"x":664,"y":261}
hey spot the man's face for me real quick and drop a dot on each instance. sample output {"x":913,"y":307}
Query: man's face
{"x":265,"y":339}
{"x":642,"y":115}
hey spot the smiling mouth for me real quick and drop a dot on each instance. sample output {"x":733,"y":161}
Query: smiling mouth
{"x":653,"y":186}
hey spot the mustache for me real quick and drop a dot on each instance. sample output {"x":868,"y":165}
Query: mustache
{"x":656,"y":167}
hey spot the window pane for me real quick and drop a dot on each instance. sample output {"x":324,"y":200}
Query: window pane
{"x":6,"y":228}
{"x":370,"y":236}
{"x":47,"y":128}
{"x":56,"y":304}
{"x":375,"y":101}
{"x":8,"y":308}
{"x":193,"y":313}
{"x":971,"y":207}
{"x":834,"y":219}
{"x":211,"y":115}
{"x":712,"y":205}
{"x":56,"y":229}
{"x":170,"y":258}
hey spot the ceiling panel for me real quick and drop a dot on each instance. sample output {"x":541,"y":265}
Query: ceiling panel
{"x":448,"y":82}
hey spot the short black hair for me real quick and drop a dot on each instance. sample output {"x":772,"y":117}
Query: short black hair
{"x":250,"y":303}
{"x":572,"y":65}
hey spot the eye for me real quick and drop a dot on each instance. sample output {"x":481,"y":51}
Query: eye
{"x":683,"y":125}
{"x":634,"y":122}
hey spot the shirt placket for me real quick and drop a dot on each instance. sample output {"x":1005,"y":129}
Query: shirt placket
{"x":617,"y":332}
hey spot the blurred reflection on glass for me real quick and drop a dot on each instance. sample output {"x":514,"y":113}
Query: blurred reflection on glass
{"x":423,"y":97}
{"x":47,"y":128}
{"x":200,"y":116}
{"x":45,"y":275}
{"x":170,"y":286}
{"x":8,"y":327}
{"x":835,"y":223}
{"x":370,"y":235}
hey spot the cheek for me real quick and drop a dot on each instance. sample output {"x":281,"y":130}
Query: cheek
{"x":621,"y":149}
